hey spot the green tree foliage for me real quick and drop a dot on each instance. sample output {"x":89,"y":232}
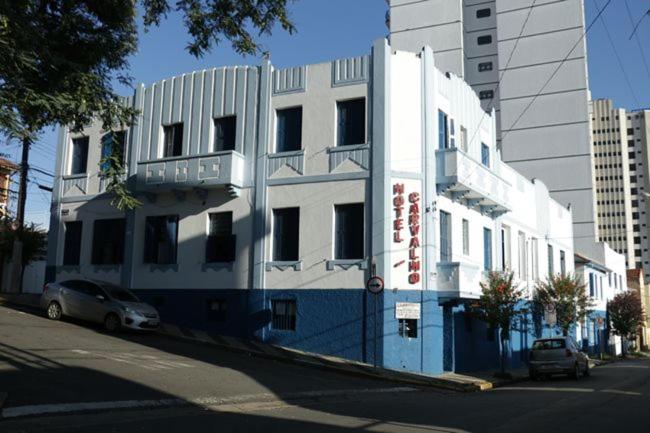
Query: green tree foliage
{"x":33,"y":238}
{"x":498,"y":307}
{"x":567,"y":295}
{"x":626,"y":313}
{"x":60,"y":58}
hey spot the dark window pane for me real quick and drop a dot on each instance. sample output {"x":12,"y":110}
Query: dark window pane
{"x":351,"y":122}
{"x":225,"y":131}
{"x":285,"y":234}
{"x":483,"y":40}
{"x":113,"y":140}
{"x":348,"y":242}
{"x":408,"y":328}
{"x":72,"y":243}
{"x":283,"y":315}
{"x":486,"y":94}
{"x":161,"y":239}
{"x":485,"y":66}
{"x":217,"y":309}
{"x":289,"y":134}
{"x":445,"y":236}
{"x":221,"y":243}
{"x":443,"y":131}
{"x":487,"y":249}
{"x":108,"y":241}
{"x":79,"y":162}
{"x":483,"y":13}
{"x":485,"y":155}
{"x":173,"y":145}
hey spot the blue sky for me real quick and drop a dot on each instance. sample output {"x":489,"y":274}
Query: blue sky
{"x":330,"y":29}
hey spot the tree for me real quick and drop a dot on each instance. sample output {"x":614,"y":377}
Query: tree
{"x":626,"y":314}
{"x":567,"y":295}
{"x":498,"y":307}
{"x":32,"y":237}
{"x":61,"y":57}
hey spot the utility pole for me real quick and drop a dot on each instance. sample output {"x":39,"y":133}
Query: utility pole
{"x":22,"y":191}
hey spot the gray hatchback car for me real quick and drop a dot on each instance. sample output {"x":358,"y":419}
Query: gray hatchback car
{"x":100,"y":302}
{"x":558,"y":355}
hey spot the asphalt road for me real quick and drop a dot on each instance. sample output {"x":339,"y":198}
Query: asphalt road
{"x":72,"y":377}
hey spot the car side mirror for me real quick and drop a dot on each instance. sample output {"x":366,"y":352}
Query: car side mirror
{"x":100,"y":298}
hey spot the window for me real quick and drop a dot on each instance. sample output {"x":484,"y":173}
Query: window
{"x":289,"y":134}
{"x":217,"y":309}
{"x":443,"y":132}
{"x":487,"y":249}
{"x":225,"y":131}
{"x":592,"y":289}
{"x":452,"y":133}
{"x":484,"y":40}
{"x":505,"y":248}
{"x":445,"y":236}
{"x":486,"y":94}
{"x":221,"y":244}
{"x":173,"y":144}
{"x":485,"y":155}
{"x":465,"y":237}
{"x":550,"y":260}
{"x":108,"y":241}
{"x":463,"y":139}
{"x":79,"y":157}
{"x":285,"y":234}
{"x":72,"y":243}
{"x":485,"y":66}
{"x":348,"y":240}
{"x":523,"y":262}
{"x":351,"y":122}
{"x":283,"y":315}
{"x":112,"y":142}
{"x":483,"y":13}
{"x":562,"y":262}
{"x":408,"y":328}
{"x":161,"y":239}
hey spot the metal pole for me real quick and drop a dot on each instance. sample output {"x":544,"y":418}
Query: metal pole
{"x":374,"y":357}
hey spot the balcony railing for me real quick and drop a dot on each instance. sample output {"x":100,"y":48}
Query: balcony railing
{"x":459,"y":280}
{"x":463,"y":178}
{"x":196,"y":171}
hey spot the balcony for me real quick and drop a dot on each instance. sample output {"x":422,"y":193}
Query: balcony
{"x":459,"y":280}
{"x":191,"y":172}
{"x":464,"y":179}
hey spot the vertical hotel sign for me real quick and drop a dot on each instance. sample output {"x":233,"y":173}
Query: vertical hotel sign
{"x":407,"y":235}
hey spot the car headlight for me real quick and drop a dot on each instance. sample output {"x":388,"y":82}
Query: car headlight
{"x":128,"y":310}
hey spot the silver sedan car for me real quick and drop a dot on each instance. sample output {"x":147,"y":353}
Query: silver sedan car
{"x":559,"y":355}
{"x":99,"y":302}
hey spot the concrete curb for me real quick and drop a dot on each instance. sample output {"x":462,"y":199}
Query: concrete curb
{"x":458,"y":383}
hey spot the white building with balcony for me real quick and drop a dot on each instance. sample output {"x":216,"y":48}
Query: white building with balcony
{"x":270,"y":196}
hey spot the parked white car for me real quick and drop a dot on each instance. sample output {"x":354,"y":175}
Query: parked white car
{"x":559,"y":355}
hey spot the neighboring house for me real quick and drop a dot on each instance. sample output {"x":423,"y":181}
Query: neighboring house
{"x":7,"y":169}
{"x":270,"y":196}
{"x":637,"y":282}
{"x":602,"y":280}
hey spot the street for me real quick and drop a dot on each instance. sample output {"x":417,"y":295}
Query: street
{"x":71,"y":377}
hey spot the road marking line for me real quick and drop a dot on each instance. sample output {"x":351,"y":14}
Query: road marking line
{"x":206,"y":402}
{"x":618,"y":391}
{"x":543,"y":388}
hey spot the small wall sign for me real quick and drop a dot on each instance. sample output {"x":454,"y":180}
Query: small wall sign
{"x":407,"y":310}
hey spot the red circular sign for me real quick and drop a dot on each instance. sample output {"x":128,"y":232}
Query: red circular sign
{"x":375,"y":284}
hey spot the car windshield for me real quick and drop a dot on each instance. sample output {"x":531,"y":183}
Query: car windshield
{"x":118,"y":293}
{"x":549,"y":344}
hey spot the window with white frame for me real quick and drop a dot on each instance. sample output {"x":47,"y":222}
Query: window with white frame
{"x":289,"y":129}
{"x":79,"y":156}
{"x":506,"y":248}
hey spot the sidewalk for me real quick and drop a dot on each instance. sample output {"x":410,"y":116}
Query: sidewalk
{"x":479,"y":381}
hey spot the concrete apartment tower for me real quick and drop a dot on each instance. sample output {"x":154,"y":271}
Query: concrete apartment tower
{"x":512,"y":53}
{"x":621,"y":165}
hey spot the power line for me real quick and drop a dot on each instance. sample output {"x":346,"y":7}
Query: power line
{"x":618,"y":57}
{"x":527,"y":107}
{"x":638,"y":42}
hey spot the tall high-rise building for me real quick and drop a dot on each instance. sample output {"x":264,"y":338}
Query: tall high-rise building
{"x":527,"y":60}
{"x":621,"y":164}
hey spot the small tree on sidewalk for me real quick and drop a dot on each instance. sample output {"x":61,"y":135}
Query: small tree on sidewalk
{"x":498,"y":308}
{"x":567,"y":294}
{"x":626,"y":314}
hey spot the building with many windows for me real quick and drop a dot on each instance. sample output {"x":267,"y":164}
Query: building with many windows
{"x":527,"y":59}
{"x":620,"y":141}
{"x":271,"y":195}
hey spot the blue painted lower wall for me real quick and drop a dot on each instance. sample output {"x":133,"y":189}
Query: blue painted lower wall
{"x":338,"y":322}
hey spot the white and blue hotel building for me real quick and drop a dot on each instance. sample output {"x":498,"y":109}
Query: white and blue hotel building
{"x":270,"y":196}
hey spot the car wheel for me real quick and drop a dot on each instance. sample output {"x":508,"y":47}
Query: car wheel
{"x":54,"y":311}
{"x":112,"y":322}
{"x":587,"y":372}
{"x":576,"y":372}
